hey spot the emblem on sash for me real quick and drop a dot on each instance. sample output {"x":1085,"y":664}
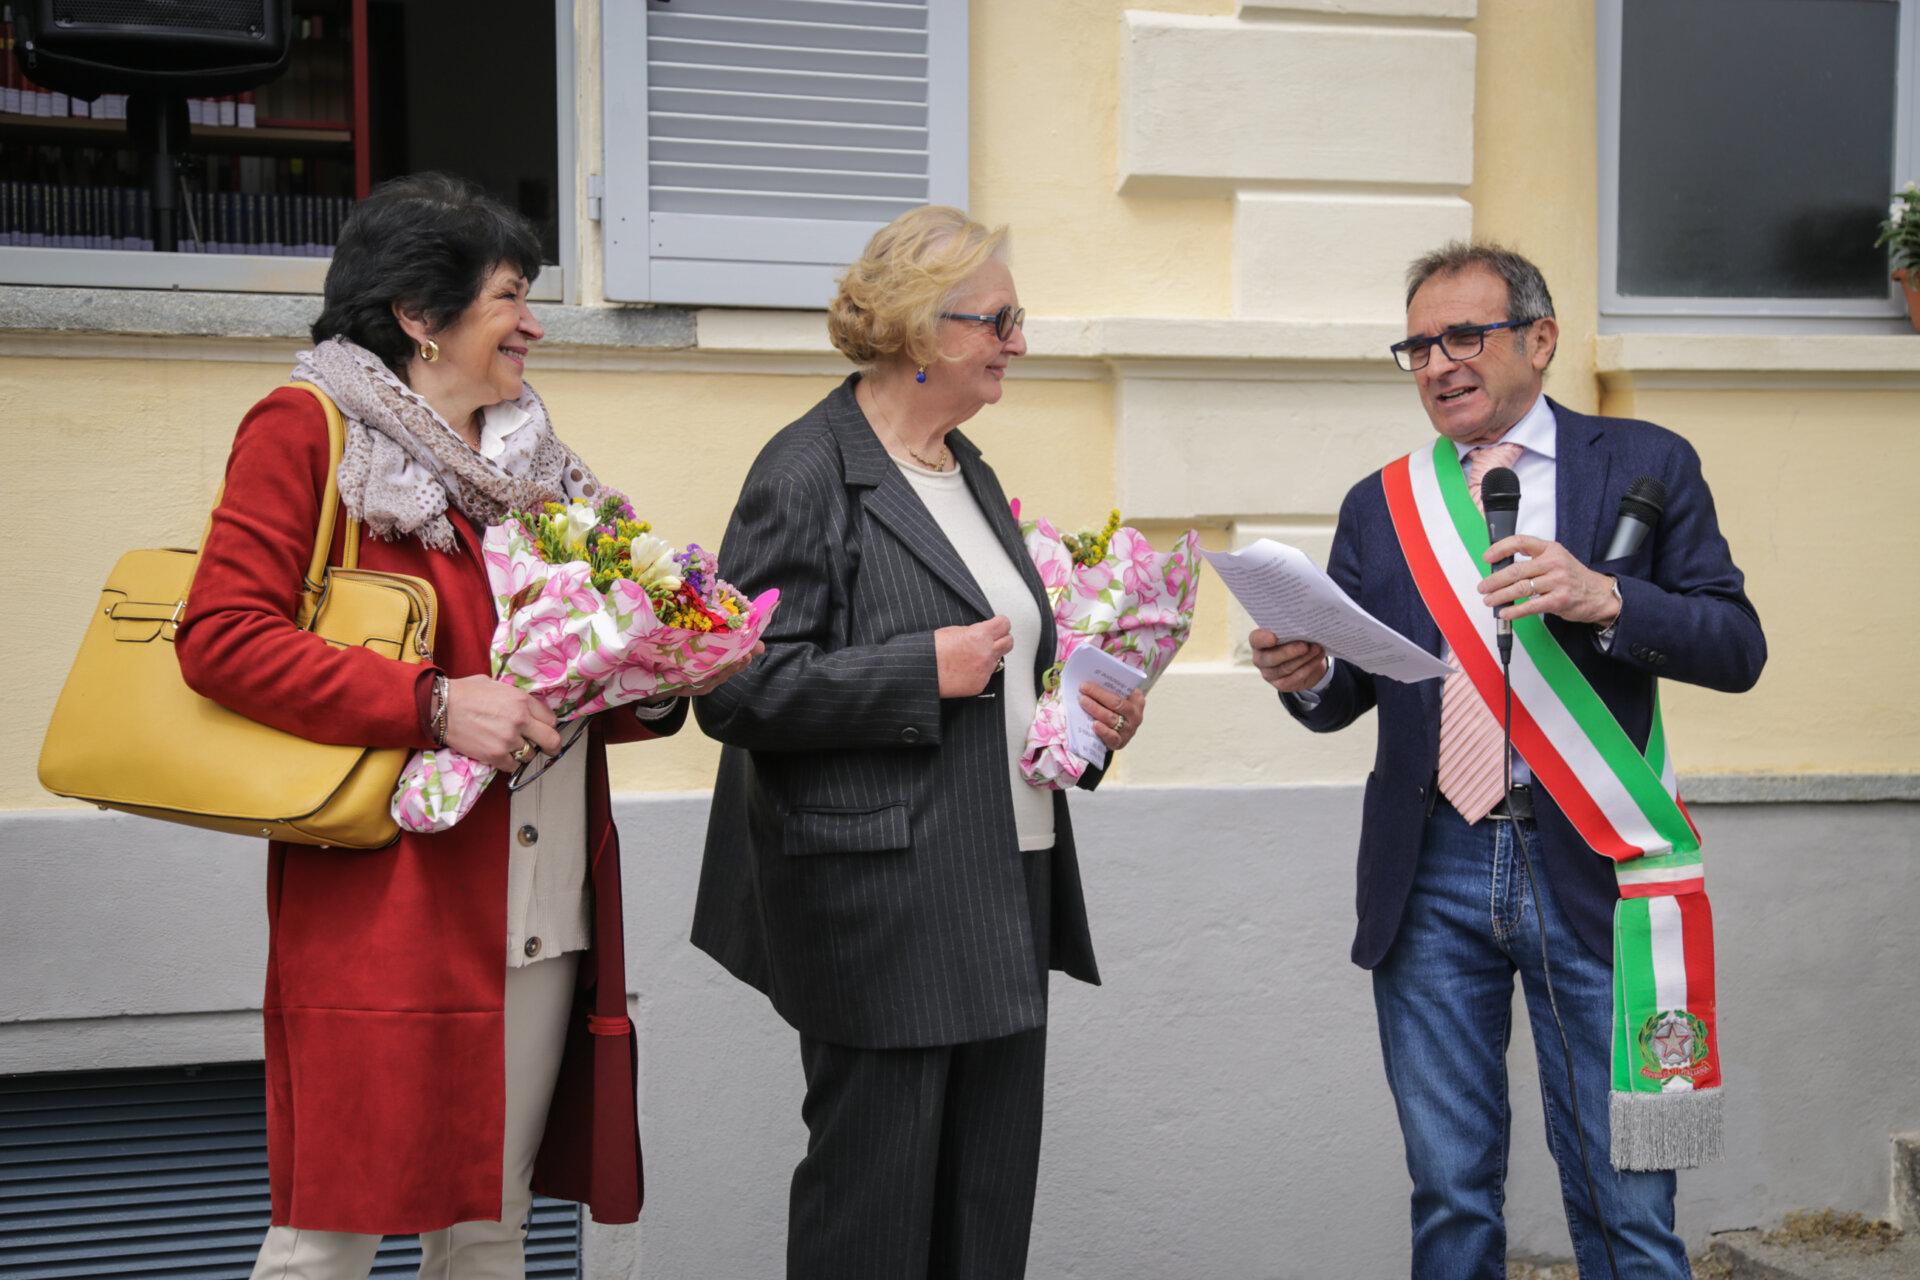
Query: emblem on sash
{"x":1673,"y":1043}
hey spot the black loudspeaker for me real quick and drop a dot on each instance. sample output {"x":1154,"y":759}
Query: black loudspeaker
{"x":190,"y":48}
{"x":161,"y":52}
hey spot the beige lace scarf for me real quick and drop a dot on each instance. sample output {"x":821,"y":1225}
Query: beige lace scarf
{"x":403,"y":464}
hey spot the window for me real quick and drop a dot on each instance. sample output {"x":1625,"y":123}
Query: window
{"x":752,"y":147}
{"x":372,"y":89}
{"x":1747,"y":151}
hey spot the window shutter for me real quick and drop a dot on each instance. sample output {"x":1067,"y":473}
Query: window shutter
{"x":751,"y":147}
{"x":163,"y":1172}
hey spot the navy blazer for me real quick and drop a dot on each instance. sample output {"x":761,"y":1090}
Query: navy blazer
{"x":862,"y":867}
{"x":1684,"y":615}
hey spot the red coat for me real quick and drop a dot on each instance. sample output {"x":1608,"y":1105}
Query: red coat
{"x":386,"y":970}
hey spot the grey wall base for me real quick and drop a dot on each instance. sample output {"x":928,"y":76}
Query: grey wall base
{"x":1216,"y":1109}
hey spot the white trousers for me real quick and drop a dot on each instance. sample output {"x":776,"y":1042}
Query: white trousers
{"x":539,"y":998}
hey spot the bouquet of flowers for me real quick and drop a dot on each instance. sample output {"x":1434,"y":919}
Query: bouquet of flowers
{"x":595,"y":612}
{"x":1110,"y":589}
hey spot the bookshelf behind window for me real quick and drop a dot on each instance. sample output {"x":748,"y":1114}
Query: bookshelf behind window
{"x":273,"y":171}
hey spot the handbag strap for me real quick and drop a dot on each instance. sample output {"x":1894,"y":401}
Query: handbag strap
{"x":330,"y":501}
{"x":314,"y":585}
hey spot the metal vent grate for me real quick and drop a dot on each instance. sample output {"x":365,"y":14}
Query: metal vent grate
{"x":163,"y":1172}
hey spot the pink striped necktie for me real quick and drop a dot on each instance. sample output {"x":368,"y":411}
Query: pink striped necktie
{"x":1473,"y":777}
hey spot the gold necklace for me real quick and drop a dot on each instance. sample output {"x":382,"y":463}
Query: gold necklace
{"x":931,"y":466}
{"x":887,"y":421}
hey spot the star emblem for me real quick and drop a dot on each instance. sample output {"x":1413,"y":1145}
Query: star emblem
{"x":1673,"y":1042}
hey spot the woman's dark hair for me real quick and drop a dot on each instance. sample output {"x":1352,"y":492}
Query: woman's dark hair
{"x":427,"y":241}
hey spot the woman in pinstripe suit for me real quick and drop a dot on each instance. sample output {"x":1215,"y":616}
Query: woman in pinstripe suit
{"x":874,"y":863}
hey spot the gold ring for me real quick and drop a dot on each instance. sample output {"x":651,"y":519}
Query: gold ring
{"x":525,"y":753}
{"x":1119,"y":723}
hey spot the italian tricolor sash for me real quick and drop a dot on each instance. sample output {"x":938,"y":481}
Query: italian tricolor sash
{"x":1665,"y":1104}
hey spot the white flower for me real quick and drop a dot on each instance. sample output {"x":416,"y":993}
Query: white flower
{"x":653,"y":562}
{"x":580,"y":521}
{"x":1897,"y":212}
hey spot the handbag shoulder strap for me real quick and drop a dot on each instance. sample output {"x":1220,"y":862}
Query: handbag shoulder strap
{"x":330,"y":501}
{"x":314,"y":585}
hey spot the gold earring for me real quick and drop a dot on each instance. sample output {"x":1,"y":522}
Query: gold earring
{"x":429,"y":351}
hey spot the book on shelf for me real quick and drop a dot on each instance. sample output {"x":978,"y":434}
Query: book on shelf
{"x":44,"y":215}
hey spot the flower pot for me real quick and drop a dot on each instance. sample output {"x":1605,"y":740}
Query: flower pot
{"x":1910,"y":281}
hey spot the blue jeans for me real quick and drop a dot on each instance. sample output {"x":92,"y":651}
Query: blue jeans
{"x":1444,"y":996}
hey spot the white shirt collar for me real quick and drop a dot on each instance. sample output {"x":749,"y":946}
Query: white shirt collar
{"x":1534,"y":432}
{"x":497,"y":422}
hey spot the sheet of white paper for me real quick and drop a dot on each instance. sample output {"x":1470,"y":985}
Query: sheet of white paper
{"x":1287,"y":594}
{"x":1090,"y":664}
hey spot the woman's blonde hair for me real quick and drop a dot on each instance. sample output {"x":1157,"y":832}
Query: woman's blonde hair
{"x":891,"y":298}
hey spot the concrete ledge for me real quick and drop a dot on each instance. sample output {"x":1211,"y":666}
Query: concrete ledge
{"x":1906,"y":1182}
{"x":1757,"y":353}
{"x":1156,"y":338}
{"x":1754,"y":361}
{"x":1798,"y":788}
{"x":131,"y":1040}
{"x":1454,"y":10}
{"x":51,"y":309}
{"x":1743,"y":1255}
{"x":184,"y":313}
{"x":669,"y":328}
{"x":37,"y":315}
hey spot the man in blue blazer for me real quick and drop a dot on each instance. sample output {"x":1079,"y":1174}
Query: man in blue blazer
{"x":1448,"y":908}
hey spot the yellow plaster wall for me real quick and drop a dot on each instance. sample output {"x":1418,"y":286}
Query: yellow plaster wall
{"x":136,"y":447}
{"x":1536,"y":164}
{"x":141,"y":442}
{"x":1840,"y":691}
{"x":1045,"y":160}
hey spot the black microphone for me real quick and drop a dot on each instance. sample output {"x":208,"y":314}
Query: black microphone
{"x":1640,"y":511}
{"x":1500,"y":498}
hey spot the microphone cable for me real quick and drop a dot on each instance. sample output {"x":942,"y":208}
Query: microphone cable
{"x":1546,"y":969}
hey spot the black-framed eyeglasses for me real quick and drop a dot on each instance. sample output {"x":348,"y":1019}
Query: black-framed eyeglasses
{"x":1463,"y":342}
{"x":1004,"y":321}
{"x":539,"y":762}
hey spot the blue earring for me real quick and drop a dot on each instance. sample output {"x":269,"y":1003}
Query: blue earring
{"x":922,"y":375}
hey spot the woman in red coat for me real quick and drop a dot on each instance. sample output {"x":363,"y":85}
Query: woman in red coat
{"x":446,"y":1021}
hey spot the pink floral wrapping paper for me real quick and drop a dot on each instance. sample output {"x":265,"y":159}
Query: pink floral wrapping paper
{"x":575,"y":648}
{"x":1136,"y":604}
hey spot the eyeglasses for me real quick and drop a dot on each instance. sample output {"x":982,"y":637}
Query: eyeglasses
{"x":539,"y":762}
{"x":1004,"y":321}
{"x":1462,"y":343}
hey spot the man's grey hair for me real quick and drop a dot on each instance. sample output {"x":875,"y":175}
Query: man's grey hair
{"x":1527,"y":296}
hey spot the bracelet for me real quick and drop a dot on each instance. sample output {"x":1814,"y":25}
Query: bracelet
{"x":437,"y":720}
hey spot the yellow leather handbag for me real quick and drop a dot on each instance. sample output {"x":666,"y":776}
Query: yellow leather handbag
{"x":129,"y":734}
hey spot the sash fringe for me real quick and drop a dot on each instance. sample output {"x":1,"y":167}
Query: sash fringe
{"x":1680,"y":1130}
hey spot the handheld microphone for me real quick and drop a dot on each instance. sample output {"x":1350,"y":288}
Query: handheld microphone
{"x":1640,"y":510}
{"x":1500,"y":497}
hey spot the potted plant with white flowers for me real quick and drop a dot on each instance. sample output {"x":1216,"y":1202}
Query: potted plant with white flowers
{"x":1901,"y":234}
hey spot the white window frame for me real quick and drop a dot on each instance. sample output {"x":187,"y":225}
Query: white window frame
{"x":1620,"y":313}
{"x":266,"y":273}
{"x":770,"y":269}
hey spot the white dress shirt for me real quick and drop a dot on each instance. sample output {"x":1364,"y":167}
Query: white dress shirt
{"x":1536,"y":435}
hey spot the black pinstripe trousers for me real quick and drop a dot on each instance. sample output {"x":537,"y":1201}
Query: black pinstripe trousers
{"x":922,"y":1161}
